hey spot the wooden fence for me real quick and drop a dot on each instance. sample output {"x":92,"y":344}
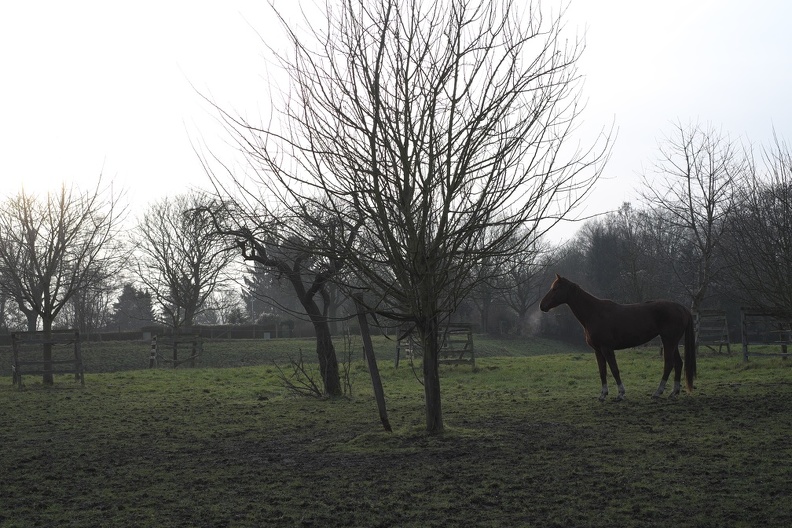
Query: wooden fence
{"x":165,"y":349}
{"x":28,"y":350}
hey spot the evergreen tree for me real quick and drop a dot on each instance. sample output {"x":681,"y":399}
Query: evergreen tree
{"x":132,"y":310}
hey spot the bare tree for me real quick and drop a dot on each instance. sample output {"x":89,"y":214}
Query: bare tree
{"x":259,"y":237}
{"x":438,"y":130}
{"x":54,"y":248}
{"x":181,"y":259}
{"x":695,"y":181}
{"x":760,"y":234}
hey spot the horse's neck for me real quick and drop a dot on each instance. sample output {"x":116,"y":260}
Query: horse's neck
{"x":583,"y":305}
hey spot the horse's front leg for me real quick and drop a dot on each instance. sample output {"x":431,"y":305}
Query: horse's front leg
{"x":603,"y":372}
{"x":610,"y":357}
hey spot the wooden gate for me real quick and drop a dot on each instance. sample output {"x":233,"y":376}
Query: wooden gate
{"x":760,"y":327}
{"x":712,"y":329}
{"x":28,"y":354}
{"x":165,"y":349}
{"x":456,"y":346}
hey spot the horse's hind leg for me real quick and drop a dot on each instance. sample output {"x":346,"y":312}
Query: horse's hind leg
{"x":677,"y":373}
{"x":610,"y":357}
{"x":603,"y":372}
{"x":668,"y":364}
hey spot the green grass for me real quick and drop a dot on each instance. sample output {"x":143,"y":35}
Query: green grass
{"x":527,"y":444}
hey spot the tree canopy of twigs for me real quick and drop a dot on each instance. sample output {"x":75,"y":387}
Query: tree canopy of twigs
{"x":760,"y":233}
{"x":55,"y":247}
{"x":695,"y":181}
{"x":434,"y":132}
{"x":180,"y":258}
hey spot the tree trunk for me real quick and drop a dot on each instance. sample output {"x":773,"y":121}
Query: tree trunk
{"x":428,"y":332}
{"x":485,"y":311}
{"x":328,"y":362}
{"x":522,"y":323}
{"x":47,"y":378}
{"x":699,"y":294}
{"x":32,"y":319}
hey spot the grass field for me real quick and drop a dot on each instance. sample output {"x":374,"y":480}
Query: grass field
{"x":527,"y":444}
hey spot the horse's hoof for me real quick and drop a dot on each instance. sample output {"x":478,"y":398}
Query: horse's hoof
{"x":656,"y":396}
{"x":602,"y":398}
{"x":620,"y":397}
{"x":673,"y":396}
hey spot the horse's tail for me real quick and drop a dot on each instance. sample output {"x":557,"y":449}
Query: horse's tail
{"x":690,"y":354}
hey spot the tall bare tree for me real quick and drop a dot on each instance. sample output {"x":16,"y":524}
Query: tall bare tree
{"x":181,"y":259}
{"x":53,"y":248}
{"x":760,"y":233}
{"x":695,"y":180}
{"x":438,"y":130}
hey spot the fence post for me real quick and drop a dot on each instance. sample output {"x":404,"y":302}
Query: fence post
{"x":744,"y":328}
{"x":153,"y":355}
{"x":368,"y":352}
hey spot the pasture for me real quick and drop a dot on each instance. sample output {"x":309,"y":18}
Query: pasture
{"x":527,"y":444}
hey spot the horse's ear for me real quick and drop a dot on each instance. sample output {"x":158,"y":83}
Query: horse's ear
{"x":558,"y":277}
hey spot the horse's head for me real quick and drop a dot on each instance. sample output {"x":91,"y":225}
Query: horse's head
{"x":559,"y":293}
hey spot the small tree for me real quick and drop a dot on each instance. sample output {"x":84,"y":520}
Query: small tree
{"x":600,"y":243}
{"x":294,"y":258}
{"x":486,"y":293}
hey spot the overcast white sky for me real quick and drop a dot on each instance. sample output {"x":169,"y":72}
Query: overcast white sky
{"x":90,"y":87}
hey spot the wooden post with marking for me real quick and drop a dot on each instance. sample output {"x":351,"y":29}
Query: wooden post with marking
{"x":153,"y":354}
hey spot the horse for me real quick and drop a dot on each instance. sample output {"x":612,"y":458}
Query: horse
{"x":610,"y":326}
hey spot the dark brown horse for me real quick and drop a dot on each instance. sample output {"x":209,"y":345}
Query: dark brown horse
{"x":610,"y":326}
